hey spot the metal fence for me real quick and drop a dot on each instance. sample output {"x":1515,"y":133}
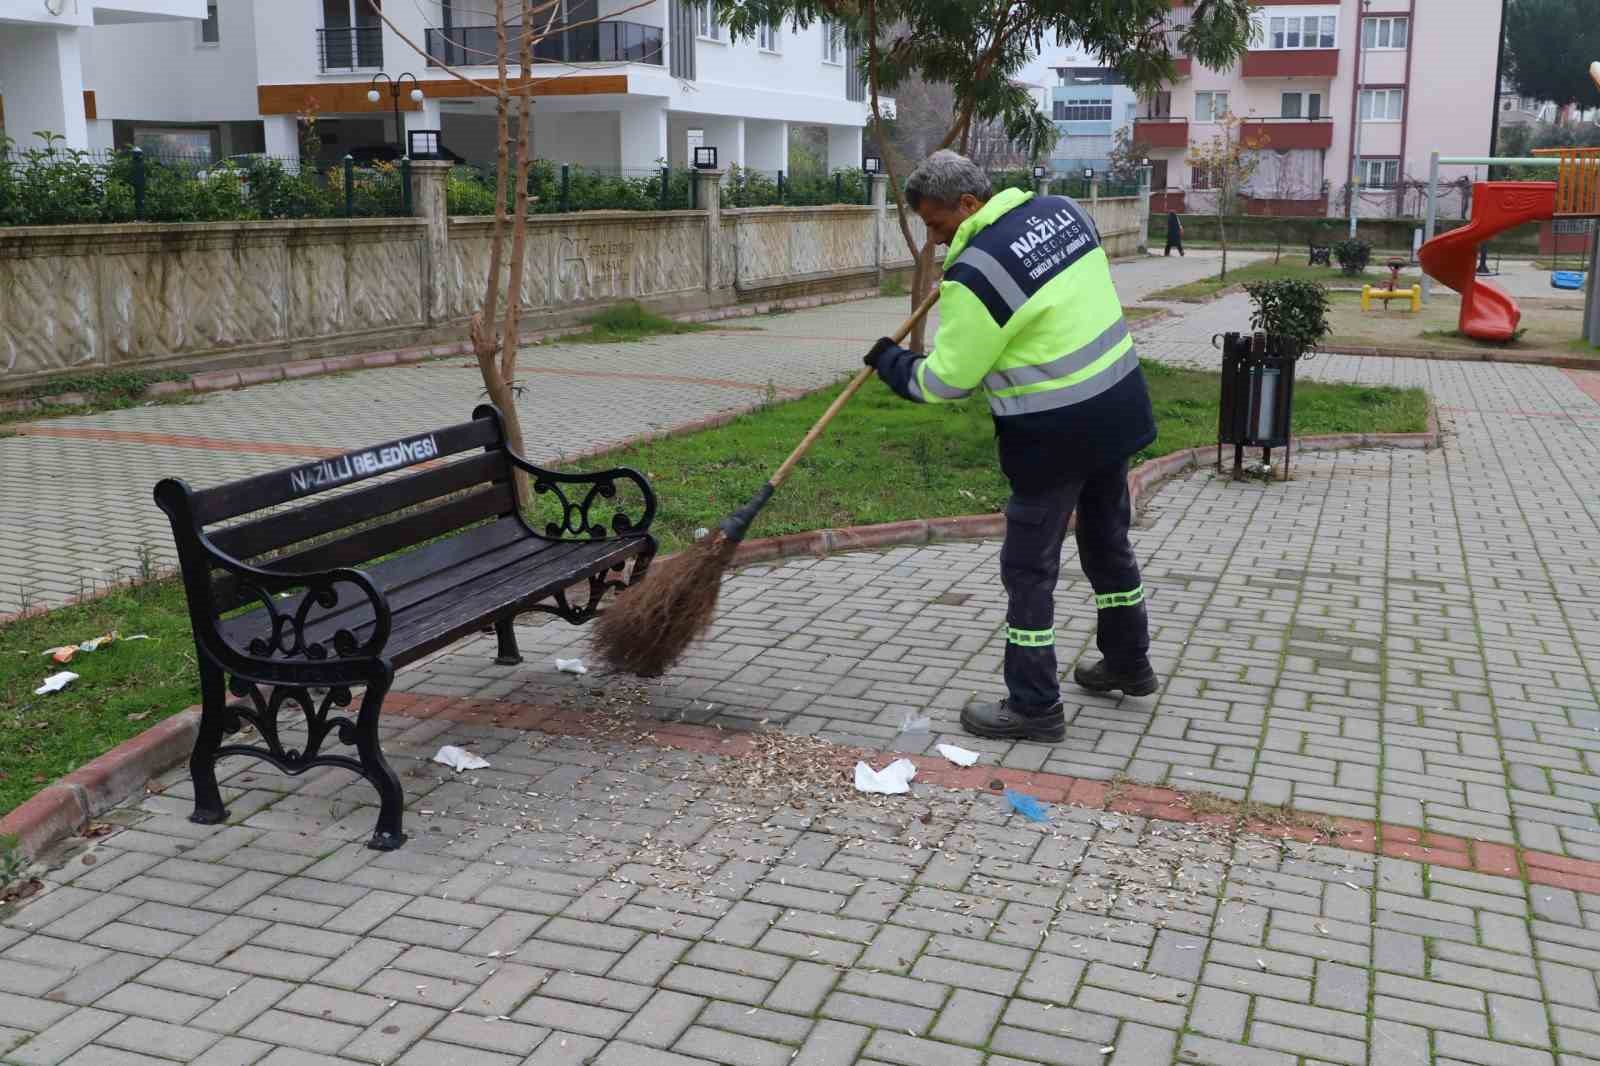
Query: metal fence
{"x":54,"y":186}
{"x":747,"y":187}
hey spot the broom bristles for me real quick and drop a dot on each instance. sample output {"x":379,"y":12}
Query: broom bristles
{"x":649,"y":626}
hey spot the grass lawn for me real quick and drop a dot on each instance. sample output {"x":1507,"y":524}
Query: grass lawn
{"x":883,"y":460}
{"x":1548,"y":325}
{"x":1261,"y":270}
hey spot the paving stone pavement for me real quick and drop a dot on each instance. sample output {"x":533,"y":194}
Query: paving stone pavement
{"x":609,"y":902}
{"x":1398,"y":635}
{"x":77,"y":509}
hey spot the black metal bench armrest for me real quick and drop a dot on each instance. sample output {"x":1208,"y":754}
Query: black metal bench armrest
{"x":286,"y":637}
{"x":576,"y":522}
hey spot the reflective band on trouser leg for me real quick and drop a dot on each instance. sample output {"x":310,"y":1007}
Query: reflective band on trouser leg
{"x":1030,"y":638}
{"x":1120,"y":599}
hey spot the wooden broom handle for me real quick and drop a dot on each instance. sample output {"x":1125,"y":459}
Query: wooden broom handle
{"x":856,"y":382}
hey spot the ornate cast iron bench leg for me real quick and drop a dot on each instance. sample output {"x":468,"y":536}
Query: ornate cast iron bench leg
{"x":208,"y":808}
{"x":506,"y":635}
{"x":389,"y":834}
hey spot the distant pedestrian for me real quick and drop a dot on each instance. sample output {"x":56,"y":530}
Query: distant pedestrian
{"x":1174,"y":233}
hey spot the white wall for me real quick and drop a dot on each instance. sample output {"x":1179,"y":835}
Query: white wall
{"x":41,"y":77}
{"x":584,"y":138}
{"x":161,"y":71}
{"x":90,"y":12}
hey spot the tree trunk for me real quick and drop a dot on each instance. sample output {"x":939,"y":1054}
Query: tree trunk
{"x":923,"y":279}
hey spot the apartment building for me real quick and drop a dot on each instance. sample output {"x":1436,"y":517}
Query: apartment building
{"x":1352,"y":92}
{"x":641,"y":84}
{"x":1089,"y":104}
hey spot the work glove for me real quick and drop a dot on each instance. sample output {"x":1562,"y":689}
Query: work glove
{"x":883,"y":346}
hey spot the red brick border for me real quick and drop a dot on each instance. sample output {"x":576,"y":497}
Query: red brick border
{"x":1165,"y":804}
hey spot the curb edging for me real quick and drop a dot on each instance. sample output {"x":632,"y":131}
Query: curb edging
{"x":61,"y":809}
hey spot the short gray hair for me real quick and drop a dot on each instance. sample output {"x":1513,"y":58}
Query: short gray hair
{"x":946,"y":176}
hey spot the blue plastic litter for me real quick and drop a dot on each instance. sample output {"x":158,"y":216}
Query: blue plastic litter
{"x":1027,"y":806}
{"x":1567,"y":279}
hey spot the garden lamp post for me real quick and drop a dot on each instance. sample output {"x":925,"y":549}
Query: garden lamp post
{"x":395,"y":86}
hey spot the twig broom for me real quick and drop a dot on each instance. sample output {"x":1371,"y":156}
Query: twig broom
{"x":651,"y":624}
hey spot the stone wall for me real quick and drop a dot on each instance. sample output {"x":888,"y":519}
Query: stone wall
{"x":195,"y":296}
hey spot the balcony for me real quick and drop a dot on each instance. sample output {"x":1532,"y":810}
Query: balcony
{"x":1292,"y":63}
{"x":1182,"y":66}
{"x":1283,"y":134}
{"x":601,"y":42}
{"x":350,"y":48}
{"x":1165,"y":132}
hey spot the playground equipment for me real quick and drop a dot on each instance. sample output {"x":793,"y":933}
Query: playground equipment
{"x":1389,"y":292}
{"x":1487,"y":313}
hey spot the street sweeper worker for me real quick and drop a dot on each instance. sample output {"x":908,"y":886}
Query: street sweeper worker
{"x":1028,"y":316}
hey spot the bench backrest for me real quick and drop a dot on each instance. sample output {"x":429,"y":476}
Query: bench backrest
{"x":351,"y":527}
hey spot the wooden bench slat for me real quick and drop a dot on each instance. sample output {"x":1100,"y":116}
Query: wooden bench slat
{"x":274,"y":531}
{"x":424,"y":632}
{"x":364,"y":545}
{"x":280,"y":486}
{"x":408,"y":579}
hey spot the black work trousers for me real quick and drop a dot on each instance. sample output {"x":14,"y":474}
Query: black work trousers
{"x":1030,"y":562}
{"x":1175,"y":242}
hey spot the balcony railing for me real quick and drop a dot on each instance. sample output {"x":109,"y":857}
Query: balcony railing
{"x":601,"y":42}
{"x":350,"y":48}
{"x":1283,"y":134}
{"x":1167,"y":131}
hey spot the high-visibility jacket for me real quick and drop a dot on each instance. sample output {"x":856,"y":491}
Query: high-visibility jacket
{"x":1029,"y":315}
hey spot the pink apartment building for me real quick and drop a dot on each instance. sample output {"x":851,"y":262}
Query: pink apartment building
{"x":1410,"y":76}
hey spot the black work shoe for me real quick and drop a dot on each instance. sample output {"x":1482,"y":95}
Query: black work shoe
{"x":1101,"y":678}
{"x":1002,"y":721}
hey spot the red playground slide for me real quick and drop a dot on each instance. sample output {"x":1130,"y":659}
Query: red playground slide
{"x":1487,"y":313}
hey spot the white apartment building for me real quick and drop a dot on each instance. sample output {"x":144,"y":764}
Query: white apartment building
{"x":644,"y":84}
{"x":1382,"y":82}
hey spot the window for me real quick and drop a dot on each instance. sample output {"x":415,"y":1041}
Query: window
{"x":1210,"y":106}
{"x":1380,"y":173}
{"x":1200,"y":178}
{"x":1302,"y":31}
{"x":832,"y":41}
{"x":770,"y":38}
{"x":706,"y":25}
{"x":208,"y":28}
{"x":1302,"y":105}
{"x":1088,"y":109}
{"x":1382,"y":105}
{"x":1385,"y":32}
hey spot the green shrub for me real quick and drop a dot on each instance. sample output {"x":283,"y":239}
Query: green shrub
{"x":1353,"y":256}
{"x":1290,"y":308}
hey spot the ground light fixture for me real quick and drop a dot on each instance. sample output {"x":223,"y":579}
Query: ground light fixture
{"x":1039,"y":173}
{"x":705,"y":157}
{"x":871,"y":164}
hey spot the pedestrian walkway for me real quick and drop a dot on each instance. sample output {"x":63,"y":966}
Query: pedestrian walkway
{"x":1399,"y":636}
{"x":75,"y":492}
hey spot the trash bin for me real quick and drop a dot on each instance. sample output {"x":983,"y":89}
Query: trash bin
{"x":1257,"y":395}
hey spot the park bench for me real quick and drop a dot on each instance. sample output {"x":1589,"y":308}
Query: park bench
{"x":293,"y":606}
{"x":1320,"y":255}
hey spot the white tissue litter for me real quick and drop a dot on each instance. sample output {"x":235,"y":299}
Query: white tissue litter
{"x":892,"y":780}
{"x":959,"y":756}
{"x":915,"y":723}
{"x":56,"y":682}
{"x":571,"y":666}
{"x":459,"y":759}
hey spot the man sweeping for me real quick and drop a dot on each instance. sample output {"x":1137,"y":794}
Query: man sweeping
{"x":1028,"y":314}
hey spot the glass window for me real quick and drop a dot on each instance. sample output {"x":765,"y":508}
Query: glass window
{"x":1275,"y":38}
{"x":1210,"y":106}
{"x":769,"y":38}
{"x":1380,"y":173}
{"x":1302,"y":31}
{"x":1313,"y":105}
{"x":1291,"y":105}
{"x":208,"y":29}
{"x":1382,"y":105}
{"x":832,"y":34}
{"x":1327,"y":38}
{"x":1292,"y":38}
{"x":708,"y":27}
{"x":1385,"y":33}
{"x":1096,"y":109}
